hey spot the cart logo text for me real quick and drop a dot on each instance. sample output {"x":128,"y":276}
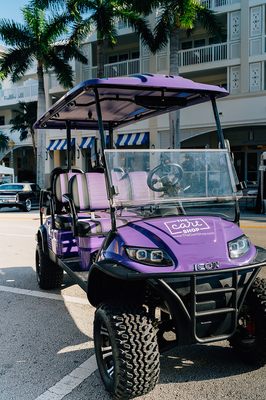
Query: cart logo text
{"x":186,"y":226}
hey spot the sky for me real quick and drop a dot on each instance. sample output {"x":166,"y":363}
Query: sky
{"x":10,"y":9}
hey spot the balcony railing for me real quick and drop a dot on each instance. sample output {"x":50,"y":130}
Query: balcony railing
{"x":213,"y":4}
{"x":121,"y":68}
{"x":19,"y":93}
{"x":200,"y":55}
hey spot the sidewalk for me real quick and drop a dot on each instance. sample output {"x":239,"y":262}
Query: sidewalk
{"x":251,"y":216}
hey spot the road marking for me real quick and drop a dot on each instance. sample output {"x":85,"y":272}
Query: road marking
{"x":70,"y":381}
{"x":15,"y":234}
{"x":67,"y":384}
{"x":50,"y":296}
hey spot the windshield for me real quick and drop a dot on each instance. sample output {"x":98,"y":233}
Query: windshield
{"x":187,"y":178}
{"x":11,"y":187}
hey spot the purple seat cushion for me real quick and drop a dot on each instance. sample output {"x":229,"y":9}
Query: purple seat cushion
{"x":89,"y":191}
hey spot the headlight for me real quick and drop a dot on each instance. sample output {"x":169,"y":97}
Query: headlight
{"x":238,"y":247}
{"x":153,"y":257}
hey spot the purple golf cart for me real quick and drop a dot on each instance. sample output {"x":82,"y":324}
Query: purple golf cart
{"x":151,"y":235}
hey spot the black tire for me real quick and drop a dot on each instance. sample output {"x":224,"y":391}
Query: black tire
{"x":27,"y":205}
{"x":249,"y":341}
{"x":126,"y":350}
{"x":49,"y":274}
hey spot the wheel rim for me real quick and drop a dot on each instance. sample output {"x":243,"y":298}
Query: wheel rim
{"x":106,"y":352}
{"x":28,"y":204}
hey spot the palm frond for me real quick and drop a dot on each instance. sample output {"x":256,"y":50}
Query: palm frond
{"x":70,"y":51}
{"x":61,"y":68}
{"x":4,"y":139}
{"x":25,"y":117}
{"x":13,"y":33}
{"x":208,"y":20}
{"x":141,"y":26}
{"x":141,"y":6}
{"x":56,"y":5}
{"x":15,"y":63}
{"x":79,"y":30}
{"x":34,"y":18}
{"x":163,"y":29}
{"x":56,"y":26}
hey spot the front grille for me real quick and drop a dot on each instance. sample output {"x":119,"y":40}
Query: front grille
{"x":8,"y":199}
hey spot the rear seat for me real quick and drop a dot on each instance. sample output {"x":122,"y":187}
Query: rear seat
{"x":59,"y":187}
{"x":88,"y":192}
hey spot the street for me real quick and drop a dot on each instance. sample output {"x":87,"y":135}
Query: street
{"x":47,"y":351}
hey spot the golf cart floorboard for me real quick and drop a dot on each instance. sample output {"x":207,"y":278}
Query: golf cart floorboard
{"x":71,"y":266}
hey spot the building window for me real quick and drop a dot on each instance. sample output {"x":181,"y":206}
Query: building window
{"x":112,"y":59}
{"x":123,"y":57}
{"x":235,"y":25}
{"x":199,"y":43}
{"x":186,"y":45}
{"x":121,"y":24}
{"x":255,"y":21}
{"x":255,"y":77}
{"x":135,"y":54}
{"x":2,"y":120}
{"x":235,"y":79}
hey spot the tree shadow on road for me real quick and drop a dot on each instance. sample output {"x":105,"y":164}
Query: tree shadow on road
{"x":42,"y":339}
{"x":201,"y":362}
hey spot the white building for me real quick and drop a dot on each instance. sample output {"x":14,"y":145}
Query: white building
{"x":238,"y":63}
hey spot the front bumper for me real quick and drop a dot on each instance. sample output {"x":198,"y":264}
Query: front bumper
{"x":119,"y":271}
{"x":205,"y":305}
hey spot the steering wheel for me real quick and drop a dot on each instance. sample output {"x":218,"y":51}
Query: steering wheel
{"x":166,"y":175}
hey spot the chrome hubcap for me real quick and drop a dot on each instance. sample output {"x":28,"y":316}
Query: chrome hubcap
{"x":106,"y":351}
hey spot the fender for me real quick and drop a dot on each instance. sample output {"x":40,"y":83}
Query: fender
{"x":41,"y":238}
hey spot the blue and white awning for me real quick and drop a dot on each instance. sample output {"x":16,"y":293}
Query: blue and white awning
{"x":87,"y":143}
{"x":133,"y":139}
{"x":59,"y":144}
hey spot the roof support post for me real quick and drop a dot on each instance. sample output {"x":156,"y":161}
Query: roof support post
{"x":103,"y":146}
{"x":68,"y":138}
{"x":218,"y":124}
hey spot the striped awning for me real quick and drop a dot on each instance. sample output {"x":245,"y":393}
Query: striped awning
{"x":59,"y":144}
{"x":87,"y":142}
{"x":132,"y":139}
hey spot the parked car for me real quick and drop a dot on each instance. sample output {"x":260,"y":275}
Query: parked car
{"x":21,"y":195}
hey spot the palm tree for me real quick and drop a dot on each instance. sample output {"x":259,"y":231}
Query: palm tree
{"x":102,"y":16}
{"x":184,"y":16}
{"x":38,"y":40}
{"x":23,"y":122}
{"x":4,"y":139}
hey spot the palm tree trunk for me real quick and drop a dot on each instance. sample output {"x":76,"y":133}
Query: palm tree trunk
{"x":41,"y":133}
{"x":100,"y":58}
{"x":32,"y":132}
{"x":174,"y":116}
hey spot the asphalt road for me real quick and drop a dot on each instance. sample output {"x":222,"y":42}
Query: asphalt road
{"x":46,"y":344}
